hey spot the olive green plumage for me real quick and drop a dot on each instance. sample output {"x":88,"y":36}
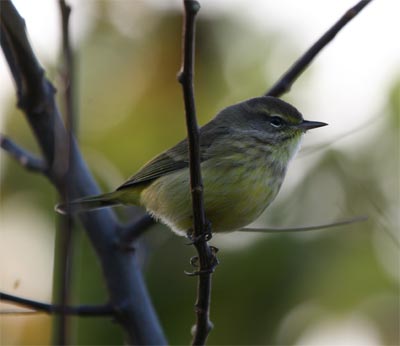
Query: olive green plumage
{"x":244,"y":153}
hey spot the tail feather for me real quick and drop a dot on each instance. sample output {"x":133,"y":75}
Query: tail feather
{"x":88,"y":203}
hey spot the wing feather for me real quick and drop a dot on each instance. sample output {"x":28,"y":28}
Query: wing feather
{"x":167,"y":162}
{"x":175,"y":158}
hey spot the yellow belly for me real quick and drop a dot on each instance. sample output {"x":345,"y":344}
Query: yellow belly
{"x":234,"y":196}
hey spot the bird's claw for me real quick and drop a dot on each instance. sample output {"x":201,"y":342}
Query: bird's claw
{"x":205,"y":236}
{"x":194,"y":261}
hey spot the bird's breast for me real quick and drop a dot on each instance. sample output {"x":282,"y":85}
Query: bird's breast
{"x":237,"y":189}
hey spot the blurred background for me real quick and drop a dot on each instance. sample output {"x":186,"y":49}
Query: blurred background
{"x":329,"y":287}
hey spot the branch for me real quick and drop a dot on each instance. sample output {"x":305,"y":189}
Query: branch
{"x":306,"y":228}
{"x":132,"y":231}
{"x":68,"y":71}
{"x":36,"y":98}
{"x":65,"y":234}
{"x":186,"y":79}
{"x":202,"y":231}
{"x":310,"y":150}
{"x":284,"y":84}
{"x":81,"y":310}
{"x":22,"y":156}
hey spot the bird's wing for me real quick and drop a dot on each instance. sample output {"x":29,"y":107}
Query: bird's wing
{"x":169,"y":161}
{"x":176,"y":158}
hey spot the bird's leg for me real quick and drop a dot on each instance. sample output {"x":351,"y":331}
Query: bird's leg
{"x":194,"y":261}
{"x":211,"y":252}
{"x":193,"y":239}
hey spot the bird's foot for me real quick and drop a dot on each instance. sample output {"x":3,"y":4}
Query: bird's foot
{"x":205,"y":236}
{"x":210,"y":266}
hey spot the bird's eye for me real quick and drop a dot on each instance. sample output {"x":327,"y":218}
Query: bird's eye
{"x":276,"y":122}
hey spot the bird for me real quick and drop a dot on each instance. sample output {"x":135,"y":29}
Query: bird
{"x":244,"y":155}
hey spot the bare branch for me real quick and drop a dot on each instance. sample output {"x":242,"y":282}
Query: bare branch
{"x":68,"y":71}
{"x":306,"y":228}
{"x":81,"y":310}
{"x":22,"y":156}
{"x":132,"y":231}
{"x":284,"y":83}
{"x":36,"y":98}
{"x":19,"y":312}
{"x":65,"y":235}
{"x":202,"y":229}
{"x":186,"y":79}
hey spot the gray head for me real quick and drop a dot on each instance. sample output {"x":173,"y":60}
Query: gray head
{"x":273,"y":119}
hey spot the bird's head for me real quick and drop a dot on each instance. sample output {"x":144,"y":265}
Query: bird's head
{"x":269,"y":120}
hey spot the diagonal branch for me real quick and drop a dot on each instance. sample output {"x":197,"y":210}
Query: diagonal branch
{"x":202,"y":231}
{"x":126,"y":288}
{"x":22,"y":156}
{"x":133,"y":230}
{"x":306,"y":228}
{"x":81,"y":310}
{"x":284,"y":83}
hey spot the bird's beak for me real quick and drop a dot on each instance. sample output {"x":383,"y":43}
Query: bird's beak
{"x":308,"y":125}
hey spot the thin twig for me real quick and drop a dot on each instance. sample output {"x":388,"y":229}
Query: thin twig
{"x":68,"y":71}
{"x":310,"y":150}
{"x":284,"y":83}
{"x":22,"y":156}
{"x":65,"y":234}
{"x":18,"y":312}
{"x":202,"y":229}
{"x":185,"y":77}
{"x":81,"y":310}
{"x":306,"y":228}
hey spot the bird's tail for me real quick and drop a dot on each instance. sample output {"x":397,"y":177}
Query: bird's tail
{"x":89,"y":203}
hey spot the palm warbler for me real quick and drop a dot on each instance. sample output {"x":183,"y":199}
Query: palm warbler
{"x":245,"y":151}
